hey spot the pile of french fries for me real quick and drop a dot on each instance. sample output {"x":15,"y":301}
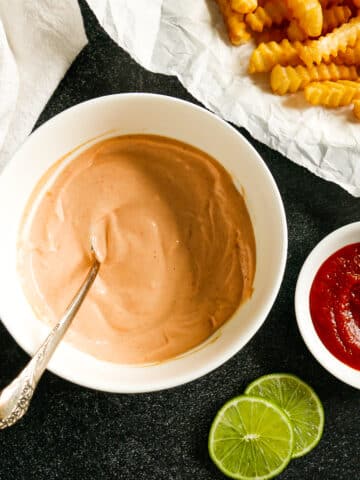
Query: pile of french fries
{"x":309,"y":45}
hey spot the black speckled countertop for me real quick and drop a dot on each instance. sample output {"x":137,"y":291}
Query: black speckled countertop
{"x":74,"y":433}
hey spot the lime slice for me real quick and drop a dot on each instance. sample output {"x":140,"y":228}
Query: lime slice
{"x":251,"y":438}
{"x":299,"y":402}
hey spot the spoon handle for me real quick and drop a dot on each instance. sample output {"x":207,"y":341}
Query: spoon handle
{"x":15,"y":398}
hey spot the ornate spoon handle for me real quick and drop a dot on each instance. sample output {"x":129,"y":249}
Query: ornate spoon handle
{"x":15,"y":398}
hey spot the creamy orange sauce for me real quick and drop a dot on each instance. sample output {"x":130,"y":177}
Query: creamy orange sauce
{"x":174,"y":237}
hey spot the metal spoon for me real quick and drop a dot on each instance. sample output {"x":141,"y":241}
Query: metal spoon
{"x":15,"y":398}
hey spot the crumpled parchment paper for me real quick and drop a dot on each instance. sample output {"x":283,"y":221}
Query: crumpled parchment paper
{"x":187,"y":38}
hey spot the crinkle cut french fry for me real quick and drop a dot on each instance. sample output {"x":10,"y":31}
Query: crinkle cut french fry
{"x":356,"y":109}
{"x":318,"y":51}
{"x":351,"y":56}
{"x":267,"y":55}
{"x":309,"y":15}
{"x":243,"y":6}
{"x":335,"y":16}
{"x":331,"y":94}
{"x":349,"y":83}
{"x":292,"y":79}
{"x":258,"y":20}
{"x":295,"y":32}
{"x":332,"y":18}
{"x":238,"y":32}
{"x":236,"y":27}
{"x":325,"y":68}
{"x":273,"y":12}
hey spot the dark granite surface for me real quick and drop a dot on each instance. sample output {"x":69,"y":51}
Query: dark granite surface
{"x":71,"y":432}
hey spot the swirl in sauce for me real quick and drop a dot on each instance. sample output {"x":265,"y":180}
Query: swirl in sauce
{"x":174,"y":237}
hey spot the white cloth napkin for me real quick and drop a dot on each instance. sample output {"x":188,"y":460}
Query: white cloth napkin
{"x":39,"y":40}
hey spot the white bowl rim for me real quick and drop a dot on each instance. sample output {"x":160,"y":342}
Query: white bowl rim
{"x":322,"y":251}
{"x":267,"y":304}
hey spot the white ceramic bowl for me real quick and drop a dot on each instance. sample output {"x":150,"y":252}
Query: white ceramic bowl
{"x":151,"y":114}
{"x":329,"y":245}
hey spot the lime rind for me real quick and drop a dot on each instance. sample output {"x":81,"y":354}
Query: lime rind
{"x":307,"y":433}
{"x":229,"y":421}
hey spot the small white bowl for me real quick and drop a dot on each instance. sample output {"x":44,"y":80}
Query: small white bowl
{"x":323,"y":250}
{"x":123,"y":114}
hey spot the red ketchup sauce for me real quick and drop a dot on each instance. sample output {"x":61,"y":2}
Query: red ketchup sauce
{"x":335,"y":304}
